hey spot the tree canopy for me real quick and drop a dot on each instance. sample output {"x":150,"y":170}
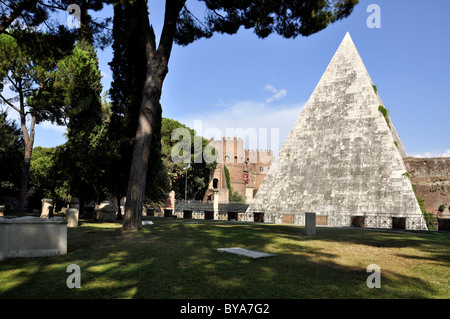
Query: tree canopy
{"x":11,"y":156}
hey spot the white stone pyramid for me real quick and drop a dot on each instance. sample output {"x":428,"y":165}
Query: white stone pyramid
{"x":342,"y":158}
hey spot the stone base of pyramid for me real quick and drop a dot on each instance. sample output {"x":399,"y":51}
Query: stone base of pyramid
{"x":378,"y":220}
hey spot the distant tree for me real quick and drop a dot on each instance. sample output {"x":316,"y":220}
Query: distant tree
{"x":197,"y":173}
{"x":83,"y":154}
{"x":11,"y":157}
{"x":30,"y":73}
{"x":235,"y":196}
{"x":286,"y":18}
{"x":41,"y":171}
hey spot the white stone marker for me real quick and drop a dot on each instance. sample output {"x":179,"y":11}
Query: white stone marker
{"x":245,"y":252}
{"x":72,"y":217}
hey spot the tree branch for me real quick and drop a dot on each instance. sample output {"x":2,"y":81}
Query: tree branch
{"x":191,"y":14}
{"x":9,"y":103}
{"x":173,"y":9}
{"x":56,"y":6}
{"x":12,"y":82}
{"x":24,"y":5}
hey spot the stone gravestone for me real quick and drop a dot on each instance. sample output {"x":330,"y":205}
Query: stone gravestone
{"x":47,"y":208}
{"x":310,"y":224}
{"x":106,"y":212}
{"x":72,"y":217}
{"x":30,"y":236}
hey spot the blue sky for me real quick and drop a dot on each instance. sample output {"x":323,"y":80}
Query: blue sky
{"x":241,"y":81}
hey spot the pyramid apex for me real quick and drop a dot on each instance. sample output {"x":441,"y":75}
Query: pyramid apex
{"x":347,"y":37}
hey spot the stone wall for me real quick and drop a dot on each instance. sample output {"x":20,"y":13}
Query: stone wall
{"x":431,"y":178}
{"x":254,"y":163}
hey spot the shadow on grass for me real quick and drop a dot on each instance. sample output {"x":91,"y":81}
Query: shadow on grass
{"x":173,"y":259}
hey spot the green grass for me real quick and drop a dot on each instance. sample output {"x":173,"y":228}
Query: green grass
{"x":172,"y":259}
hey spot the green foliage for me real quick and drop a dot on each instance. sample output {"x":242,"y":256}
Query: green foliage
{"x":47,"y":177}
{"x":197,"y":173}
{"x":32,"y":70}
{"x":42,"y":170}
{"x":227,"y":178}
{"x":286,"y":18}
{"x":441,"y":208}
{"x":385,"y":113}
{"x":429,"y":219}
{"x":78,"y":82}
{"x":396,"y":144}
{"x":235,"y":196}
{"x":11,"y":157}
{"x":375,"y":88}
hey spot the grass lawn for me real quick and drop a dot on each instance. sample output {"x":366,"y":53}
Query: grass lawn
{"x":175,"y":259}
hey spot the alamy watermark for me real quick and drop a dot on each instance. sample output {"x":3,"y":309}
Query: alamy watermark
{"x":257,"y":139}
{"x":374,"y":20}
{"x":74,"y":280}
{"x":73,"y":21}
{"x":374,"y":279}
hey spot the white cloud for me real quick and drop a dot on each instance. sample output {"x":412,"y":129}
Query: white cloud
{"x":277,"y":94}
{"x":47,"y":125}
{"x":445,"y":153}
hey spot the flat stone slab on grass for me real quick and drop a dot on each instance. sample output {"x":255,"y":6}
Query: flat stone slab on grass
{"x":147,"y":222}
{"x":245,"y":252}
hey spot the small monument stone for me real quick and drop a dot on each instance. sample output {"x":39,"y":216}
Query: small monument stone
{"x":106,"y":212}
{"x":72,"y":217}
{"x":47,"y":208}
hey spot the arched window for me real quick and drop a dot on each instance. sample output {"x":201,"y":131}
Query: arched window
{"x":261,"y":169}
{"x":215,"y":183}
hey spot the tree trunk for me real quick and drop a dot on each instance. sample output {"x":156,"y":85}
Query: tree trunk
{"x":29,"y":142}
{"x":157,"y":62}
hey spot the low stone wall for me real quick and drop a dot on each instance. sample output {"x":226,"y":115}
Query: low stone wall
{"x":32,"y":237}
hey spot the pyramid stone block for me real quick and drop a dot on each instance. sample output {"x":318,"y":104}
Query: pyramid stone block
{"x":342,"y":158}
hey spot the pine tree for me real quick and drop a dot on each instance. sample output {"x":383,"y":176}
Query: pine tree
{"x":128,"y":68}
{"x":80,"y":87}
